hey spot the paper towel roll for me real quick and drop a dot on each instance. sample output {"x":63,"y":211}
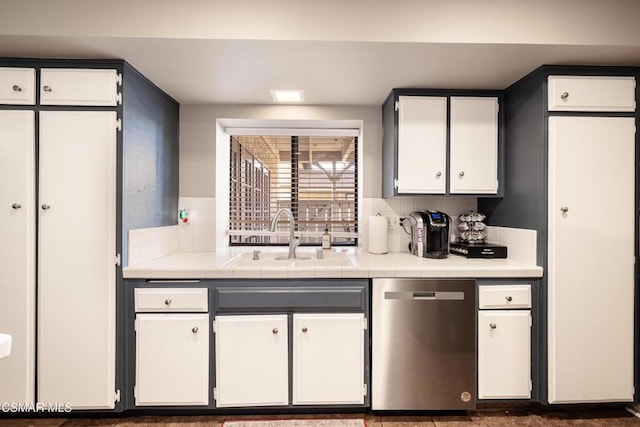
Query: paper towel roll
{"x":378,"y":231}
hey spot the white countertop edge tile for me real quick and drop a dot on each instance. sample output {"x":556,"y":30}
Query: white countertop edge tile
{"x":212,"y":265}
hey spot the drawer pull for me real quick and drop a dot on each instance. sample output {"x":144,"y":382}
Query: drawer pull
{"x":304,"y":329}
{"x":167,"y":302}
{"x":16,"y":88}
{"x":493,"y":325}
{"x":194,"y":330}
{"x":564,"y":95}
{"x":16,"y":206}
{"x":275,"y":331}
{"x":509,"y":298}
{"x":47,"y":89}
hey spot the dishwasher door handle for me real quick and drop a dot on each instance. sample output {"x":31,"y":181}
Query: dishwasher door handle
{"x":425,"y":296}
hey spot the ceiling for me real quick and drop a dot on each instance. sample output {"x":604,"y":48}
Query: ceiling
{"x":356,"y":70}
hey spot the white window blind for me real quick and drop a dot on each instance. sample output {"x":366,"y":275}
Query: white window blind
{"x":314,"y":176}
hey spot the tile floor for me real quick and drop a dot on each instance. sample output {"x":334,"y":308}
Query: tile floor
{"x":616,"y":416}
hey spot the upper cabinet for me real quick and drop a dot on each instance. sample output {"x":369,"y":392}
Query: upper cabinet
{"x":474,"y":145}
{"x":591,"y":93}
{"x":88,"y":87}
{"x":422,"y":151}
{"x":17,"y":86}
{"x":441,"y":142}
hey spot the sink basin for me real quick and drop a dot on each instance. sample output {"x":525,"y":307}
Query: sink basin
{"x":274,"y":259}
{"x":5,"y":345}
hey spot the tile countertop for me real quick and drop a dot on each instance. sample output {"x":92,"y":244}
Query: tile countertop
{"x":205,"y":265}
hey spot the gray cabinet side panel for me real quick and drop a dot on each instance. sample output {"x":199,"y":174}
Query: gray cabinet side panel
{"x":525,"y":188}
{"x":150,"y":127}
{"x":389,"y":151}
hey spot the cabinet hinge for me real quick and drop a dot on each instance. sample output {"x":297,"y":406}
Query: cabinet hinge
{"x":530,"y":320}
{"x":214,"y":329}
{"x":119,"y":79}
{"x":119,"y":98}
{"x":117,"y":260}
{"x":364,"y":389}
{"x":116,"y":397}
{"x":395,"y":183}
{"x":135,"y":391}
{"x":530,"y":385}
{"x":135,"y":325}
{"x":119,"y":125}
{"x":215,"y":393}
{"x":397,"y":106}
{"x":364,"y":324}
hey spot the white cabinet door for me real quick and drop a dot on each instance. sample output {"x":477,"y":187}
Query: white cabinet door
{"x":60,"y":86}
{"x":17,"y":86}
{"x":474,"y":145}
{"x":17,"y":253}
{"x":504,"y":354}
{"x":172,"y":359}
{"x":76,"y":263}
{"x":422,"y":144}
{"x":328,"y":359}
{"x":591,"y":259}
{"x":252,"y":360}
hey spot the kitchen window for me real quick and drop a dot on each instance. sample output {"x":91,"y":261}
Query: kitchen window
{"x":316,"y":177}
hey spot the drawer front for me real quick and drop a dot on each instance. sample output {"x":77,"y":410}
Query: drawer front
{"x":591,"y":93}
{"x":59,"y":86}
{"x":504,"y":296}
{"x":171,"y":299}
{"x":17,"y":86}
{"x":283,"y":298}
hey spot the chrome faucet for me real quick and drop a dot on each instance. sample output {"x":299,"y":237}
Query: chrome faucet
{"x":293,"y":241}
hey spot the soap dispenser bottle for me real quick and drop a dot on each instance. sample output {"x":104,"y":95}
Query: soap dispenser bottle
{"x":326,"y":238}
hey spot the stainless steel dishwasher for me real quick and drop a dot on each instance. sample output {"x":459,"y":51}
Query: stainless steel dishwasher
{"x":423,"y":344}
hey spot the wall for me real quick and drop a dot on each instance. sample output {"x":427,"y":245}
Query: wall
{"x":204,"y":172}
{"x":198,"y":169}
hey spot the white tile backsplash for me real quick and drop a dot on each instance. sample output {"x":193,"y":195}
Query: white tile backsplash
{"x":146,"y":244}
{"x":199,"y":234}
{"x":521,"y":243}
{"x":397,"y":239}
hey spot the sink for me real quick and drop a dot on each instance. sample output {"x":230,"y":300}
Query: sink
{"x":277,"y":259}
{"x":5,"y":345}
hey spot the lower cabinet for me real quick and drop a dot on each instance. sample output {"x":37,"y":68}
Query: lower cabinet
{"x":252,"y":359}
{"x":172,"y":349}
{"x":328,"y":358}
{"x":504,"y":342}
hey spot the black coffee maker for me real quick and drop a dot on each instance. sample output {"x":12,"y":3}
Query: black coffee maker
{"x":430,"y":234}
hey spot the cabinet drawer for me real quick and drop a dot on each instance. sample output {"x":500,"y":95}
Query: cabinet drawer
{"x":505,"y":296}
{"x":170,"y":299}
{"x":59,"y":86}
{"x":17,"y":86}
{"x":591,"y":93}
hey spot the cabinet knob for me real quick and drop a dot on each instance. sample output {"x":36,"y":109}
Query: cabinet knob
{"x":493,"y":325}
{"x":167,"y":302}
{"x":564,"y":209}
{"x":16,"y":88}
{"x":564,"y":95}
{"x":16,"y":206}
{"x":275,"y":331}
{"x":304,"y":329}
{"x":194,"y":330}
{"x":509,"y":298}
{"x":438,"y":175}
{"x":47,"y":89}
{"x":461,"y":174}
{"x":45,"y":207}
